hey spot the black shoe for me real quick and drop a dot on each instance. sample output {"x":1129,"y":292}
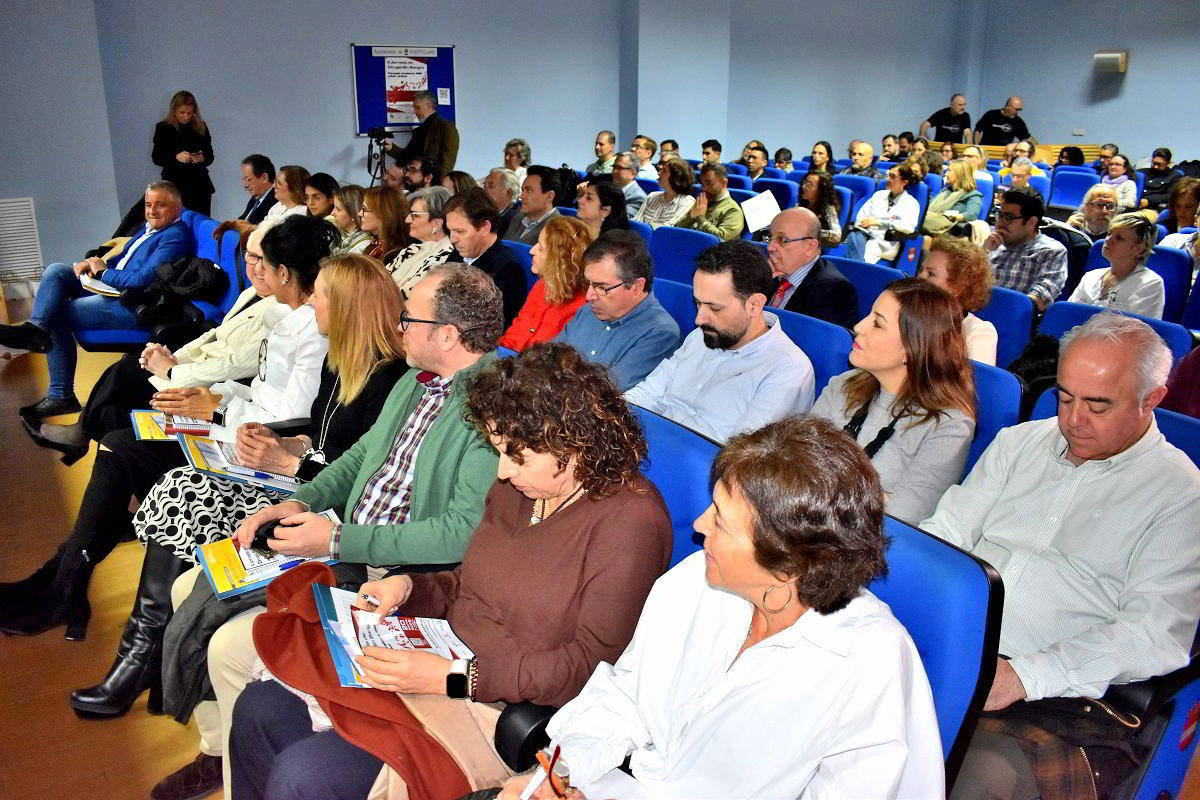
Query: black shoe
{"x":71,"y":452}
{"x":25,"y":336}
{"x":198,"y":779}
{"x":51,"y":407}
{"x":54,"y":595}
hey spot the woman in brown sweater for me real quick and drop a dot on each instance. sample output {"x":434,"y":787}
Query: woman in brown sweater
{"x":552,"y":583}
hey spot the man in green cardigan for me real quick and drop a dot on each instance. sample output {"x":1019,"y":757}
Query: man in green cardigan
{"x":411,"y":490}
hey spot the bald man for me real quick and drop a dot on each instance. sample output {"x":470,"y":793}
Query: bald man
{"x":862,"y":157}
{"x":803,"y":281}
{"x":1003,"y":125}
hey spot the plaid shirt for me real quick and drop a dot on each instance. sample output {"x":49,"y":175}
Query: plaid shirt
{"x":1037,"y":267}
{"x":386,"y":497}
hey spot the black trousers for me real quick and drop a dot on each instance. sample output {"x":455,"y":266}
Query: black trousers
{"x":122,"y":388}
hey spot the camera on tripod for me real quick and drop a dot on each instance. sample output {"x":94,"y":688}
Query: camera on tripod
{"x":379,"y":133}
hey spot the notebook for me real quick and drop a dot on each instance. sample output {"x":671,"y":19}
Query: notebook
{"x":233,"y":570}
{"x":210,"y":455}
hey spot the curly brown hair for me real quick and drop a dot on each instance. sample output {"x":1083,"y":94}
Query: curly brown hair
{"x":549,"y":400}
{"x":967,"y":270}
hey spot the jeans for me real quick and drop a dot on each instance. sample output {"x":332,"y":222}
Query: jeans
{"x":856,"y":245}
{"x":63,"y":306}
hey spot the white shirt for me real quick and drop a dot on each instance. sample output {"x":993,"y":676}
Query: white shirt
{"x":981,"y":339}
{"x":836,"y":706}
{"x":1142,"y":292}
{"x":901,"y":215}
{"x":279,"y":211}
{"x":1101,"y":561}
{"x":648,"y":170}
{"x":146,"y":233}
{"x":722,"y":392}
{"x":289,"y":371}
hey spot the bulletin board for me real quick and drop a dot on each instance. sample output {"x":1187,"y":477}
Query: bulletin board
{"x":386,"y":76}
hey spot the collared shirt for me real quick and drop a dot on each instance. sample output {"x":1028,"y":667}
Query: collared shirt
{"x":143,"y":237}
{"x":658,"y":210}
{"x":631,"y":347}
{"x":1101,"y":561}
{"x":868,"y":171}
{"x":1037,"y":267}
{"x":601,"y":165}
{"x":648,"y":171}
{"x":848,"y":688}
{"x":524,"y":229}
{"x":1141,"y":292}
{"x":795,"y":279}
{"x":635,"y":195}
{"x":386,"y":497}
{"x":722,"y":392}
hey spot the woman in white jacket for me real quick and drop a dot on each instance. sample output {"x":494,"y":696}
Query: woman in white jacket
{"x":892,"y":210}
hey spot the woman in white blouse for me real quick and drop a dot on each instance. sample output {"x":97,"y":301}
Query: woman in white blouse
{"x":1127,"y":284}
{"x":427,"y":225}
{"x":891,"y":211}
{"x":762,"y":667}
{"x":289,"y":192}
{"x":962,"y":269}
{"x":675,"y":200}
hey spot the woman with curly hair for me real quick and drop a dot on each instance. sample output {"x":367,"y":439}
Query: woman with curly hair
{"x":818,"y":196}
{"x":560,"y":288}
{"x":569,"y":514}
{"x":962,"y":269}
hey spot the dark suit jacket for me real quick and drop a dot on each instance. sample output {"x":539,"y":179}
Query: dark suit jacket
{"x":437,"y":138}
{"x":501,"y":263}
{"x":825,"y":293}
{"x":255,"y":215}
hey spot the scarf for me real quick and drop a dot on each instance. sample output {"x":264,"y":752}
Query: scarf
{"x":1114,"y":181}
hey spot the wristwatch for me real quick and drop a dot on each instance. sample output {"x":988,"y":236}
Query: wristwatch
{"x":456,"y":680}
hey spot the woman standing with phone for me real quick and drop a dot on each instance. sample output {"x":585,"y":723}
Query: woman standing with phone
{"x":183,"y":148}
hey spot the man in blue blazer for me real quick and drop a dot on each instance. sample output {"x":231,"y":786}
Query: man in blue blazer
{"x":62,"y":305}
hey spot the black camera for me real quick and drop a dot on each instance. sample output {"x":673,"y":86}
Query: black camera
{"x":379,"y":134}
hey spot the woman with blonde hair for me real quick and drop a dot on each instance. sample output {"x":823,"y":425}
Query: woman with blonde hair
{"x":560,"y":288}
{"x":962,"y":269}
{"x":183,"y":148}
{"x":383,"y":214}
{"x":958,"y":201}
{"x":1127,"y":284}
{"x":347,"y":208}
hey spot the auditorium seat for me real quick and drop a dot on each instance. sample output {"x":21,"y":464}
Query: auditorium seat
{"x":1061,"y":316}
{"x":736,"y":169}
{"x":522,"y":252}
{"x":869,"y":280}
{"x":826,"y":345}
{"x":695,"y":162}
{"x":648,"y":185}
{"x":740,"y":182}
{"x":987,"y":188}
{"x":674,"y":250}
{"x":775,"y":173}
{"x":1191,"y":311}
{"x":1084,"y":170}
{"x":1012,"y":314}
{"x":677,"y":299}
{"x":569,"y":211}
{"x":934,"y":182}
{"x":1174,"y":266}
{"x":1068,"y":188}
{"x":845,"y":207}
{"x":998,"y":405}
{"x":742,"y":195}
{"x":860,"y":186}
{"x":786,"y":193}
{"x":797,"y":176}
{"x":1140,"y":178}
{"x":1161,"y":234}
{"x":642,"y":229}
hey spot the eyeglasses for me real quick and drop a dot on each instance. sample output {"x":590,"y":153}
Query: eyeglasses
{"x":365,"y":210}
{"x":600,"y":288}
{"x":781,"y":240}
{"x":1103,"y":206}
{"x":406,"y":320}
{"x":418,"y":213}
{"x":1007,"y":218}
{"x":253,"y":259}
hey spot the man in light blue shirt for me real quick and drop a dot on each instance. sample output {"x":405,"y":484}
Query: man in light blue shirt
{"x":737,"y":370}
{"x":622,"y":326}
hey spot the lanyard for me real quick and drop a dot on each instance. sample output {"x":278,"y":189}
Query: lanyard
{"x":854,"y":426}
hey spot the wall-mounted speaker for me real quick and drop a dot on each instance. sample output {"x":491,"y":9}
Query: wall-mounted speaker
{"x":1110,"y":60}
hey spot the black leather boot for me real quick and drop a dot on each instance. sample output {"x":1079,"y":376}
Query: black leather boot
{"x":54,"y":595}
{"x":139,"y":656}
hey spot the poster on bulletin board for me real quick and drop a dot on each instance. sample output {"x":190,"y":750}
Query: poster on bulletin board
{"x":387,"y":76}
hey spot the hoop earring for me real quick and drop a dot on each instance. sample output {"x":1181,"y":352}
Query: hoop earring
{"x":775,"y":610}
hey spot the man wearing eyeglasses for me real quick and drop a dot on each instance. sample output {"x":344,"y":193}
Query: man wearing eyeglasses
{"x":621,"y":326}
{"x":643,"y":149}
{"x":1096,"y":212}
{"x":622,"y":174}
{"x":1023,"y":258}
{"x":803,"y":281}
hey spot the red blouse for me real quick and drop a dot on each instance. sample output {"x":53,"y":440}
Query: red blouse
{"x":538,"y":320}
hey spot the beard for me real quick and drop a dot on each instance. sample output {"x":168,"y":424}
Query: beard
{"x":720,"y":340}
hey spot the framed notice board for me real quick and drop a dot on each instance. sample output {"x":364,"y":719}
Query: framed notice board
{"x":386,"y":76}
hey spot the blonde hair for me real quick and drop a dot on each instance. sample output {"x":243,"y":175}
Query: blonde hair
{"x":364,"y":320}
{"x":180,"y":99}
{"x":1145,"y":231}
{"x":562,"y":267}
{"x":965,"y":174}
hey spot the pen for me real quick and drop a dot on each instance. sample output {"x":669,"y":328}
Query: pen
{"x":291,"y":564}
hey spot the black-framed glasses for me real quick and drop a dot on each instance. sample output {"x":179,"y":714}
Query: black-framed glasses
{"x":406,"y":320}
{"x":600,"y":288}
{"x":253,"y":259}
{"x":780,"y":239}
{"x":1007,"y":218}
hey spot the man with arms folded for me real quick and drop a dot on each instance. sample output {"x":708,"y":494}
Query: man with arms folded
{"x":715,"y":211}
{"x":539,"y":193}
{"x":1023,"y":258}
{"x":804,"y":282}
{"x":622,"y":325}
{"x":1102,"y":582}
{"x":737,"y":370}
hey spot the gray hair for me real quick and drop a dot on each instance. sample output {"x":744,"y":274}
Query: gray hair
{"x":435,"y":198}
{"x":511,"y":184}
{"x":523,"y":150}
{"x":633,"y":162}
{"x":1151,"y":356}
{"x":468,"y":299}
{"x":1097,"y":187}
{"x":165,"y":186}
{"x":427,"y":96}
{"x":1023,"y":161}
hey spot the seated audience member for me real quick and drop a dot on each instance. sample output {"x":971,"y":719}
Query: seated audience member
{"x":672,"y":204}
{"x":904,"y":146}
{"x":318,"y":194}
{"x":932,"y":163}
{"x":458,"y":181}
{"x":393,"y":177}
{"x":861,"y":158}
{"x":1107,"y":151}
{"x":383,"y":217}
{"x":421,"y":172}
{"x":804,"y":282}
{"x":1183,"y":389}
{"x":791,"y":552}
{"x":958,"y":201}
{"x":910,"y":399}
{"x":504,"y":188}
{"x":642,"y":154}
{"x":539,"y":196}
{"x":569,"y":513}
{"x":605,"y":142}
{"x":962,"y":269}
{"x":1120,"y":177}
{"x":1070,"y":156}
{"x":1183,"y":206}
{"x":1114,"y":599}
{"x":822,"y":158}
{"x":1020,"y":150}
{"x":413,"y":486}
{"x":890,"y":149}
{"x":431,"y":245}
{"x":817,"y":195}
{"x":714,"y":210}
{"x":622,"y":178}
{"x":947,"y":153}
{"x":471,"y":222}
{"x":62,"y":305}
{"x":756,"y":162}
{"x":258,"y":179}
{"x":710,"y":152}
{"x":560,"y":289}
{"x":669,"y":148}
{"x":918,"y":167}
{"x":1127,"y":284}
{"x":435,"y":137}
{"x":746,"y":148}
{"x":737,"y":370}
{"x":1096,"y":212}
{"x":1000,"y":126}
{"x":1018,"y":175}
{"x":974,"y":156}
{"x":1023,"y":258}
{"x":949,"y":124}
{"x":783,"y":160}
{"x":602,"y":206}
{"x":357,"y":307}
{"x":284,"y":385}
{"x":289,"y":192}
{"x":517,"y":157}
{"x":621,"y":326}
{"x":888,"y":215}
{"x":919,"y":147}
{"x":347,"y":215}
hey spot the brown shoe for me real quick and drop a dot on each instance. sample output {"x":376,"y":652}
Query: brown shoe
{"x":198,"y":779}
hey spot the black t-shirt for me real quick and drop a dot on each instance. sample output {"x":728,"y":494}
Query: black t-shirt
{"x":999,"y":129}
{"x":948,"y":127}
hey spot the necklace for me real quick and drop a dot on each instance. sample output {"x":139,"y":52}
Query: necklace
{"x":317,"y":452}
{"x":539,"y":506}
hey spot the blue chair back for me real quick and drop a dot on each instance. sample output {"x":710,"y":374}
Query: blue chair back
{"x":648,"y":185}
{"x":987,"y":188}
{"x":678,"y":463}
{"x":736,"y":169}
{"x":1191,"y":311}
{"x":884,"y":166}
{"x":841,"y":163}
{"x":742,"y":195}
{"x":868,"y":279}
{"x":774,"y":172}
{"x":796,"y":176}
{"x":1068,"y":188}
{"x":950,"y":602}
{"x":921,"y":192}
{"x":695,"y":162}
{"x":1140,"y":179}
{"x":786,"y":193}
{"x":569,"y":211}
{"x":1162,"y":233}
{"x":826,"y":345}
{"x":1174,"y":266}
{"x":642,"y":229}
{"x":677,"y":299}
{"x":740,"y":182}
{"x":1040,"y":184}
{"x":845,"y":206}
{"x":1085,"y":169}
{"x":522,"y":252}
{"x":998,"y":404}
{"x":1061,"y":316}
{"x":995,"y":163}
{"x":860,"y":186}
{"x":934,"y":182}
{"x":674,"y":251}
{"x":1012,"y":314}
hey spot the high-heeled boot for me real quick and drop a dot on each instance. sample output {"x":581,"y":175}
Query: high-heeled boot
{"x":139,"y":656}
{"x":61,"y":601}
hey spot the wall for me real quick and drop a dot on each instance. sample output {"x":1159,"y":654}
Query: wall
{"x":54,"y":134}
